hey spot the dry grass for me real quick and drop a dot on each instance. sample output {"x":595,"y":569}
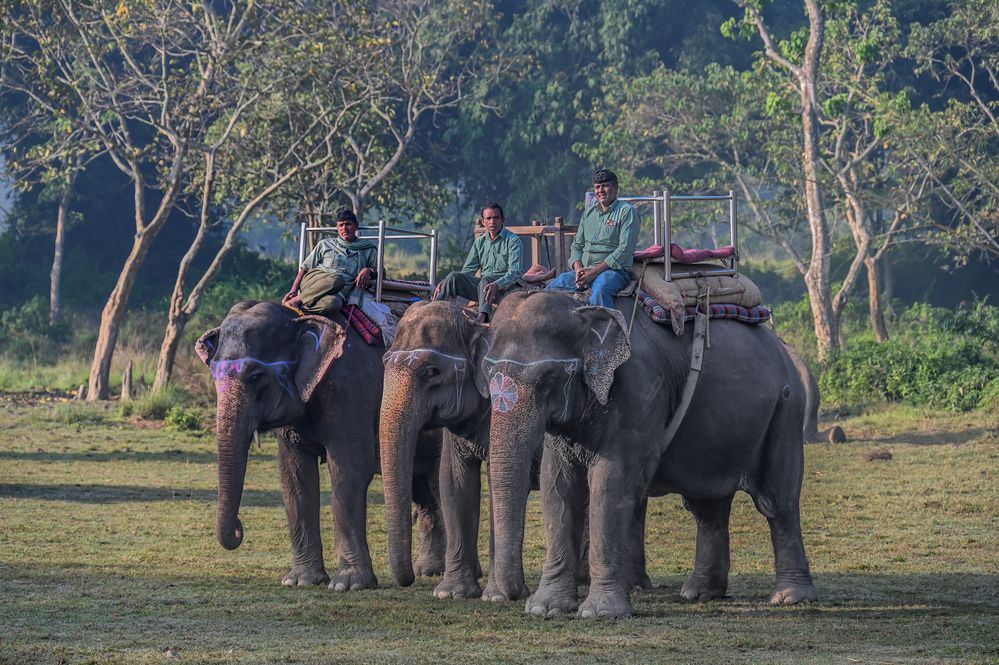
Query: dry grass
{"x":107,"y":555}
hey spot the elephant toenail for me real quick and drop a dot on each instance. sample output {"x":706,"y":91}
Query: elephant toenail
{"x":555,"y":612}
{"x":538,"y":610}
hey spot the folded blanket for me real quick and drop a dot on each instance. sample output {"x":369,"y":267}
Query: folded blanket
{"x":681,"y":255}
{"x":538,"y":273}
{"x":360,"y":322}
{"x":660,"y":314}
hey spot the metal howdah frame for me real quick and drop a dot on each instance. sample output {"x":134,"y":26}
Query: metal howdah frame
{"x":381,"y":234}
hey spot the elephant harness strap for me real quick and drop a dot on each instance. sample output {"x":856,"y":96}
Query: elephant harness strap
{"x":701,"y":335}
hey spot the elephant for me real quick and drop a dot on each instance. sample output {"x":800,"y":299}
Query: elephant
{"x":607,"y":396}
{"x":834,"y":434}
{"x":430,"y":382}
{"x":319,"y":386}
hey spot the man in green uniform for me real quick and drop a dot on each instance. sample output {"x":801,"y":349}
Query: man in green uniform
{"x":496,"y":256}
{"x":604,"y":247}
{"x":333,"y":269}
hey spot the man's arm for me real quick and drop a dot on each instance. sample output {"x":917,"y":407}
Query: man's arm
{"x":294,"y":287}
{"x":577,"y":246}
{"x":474,"y":262}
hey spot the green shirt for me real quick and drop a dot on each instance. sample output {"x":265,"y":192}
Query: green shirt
{"x":344,"y":259}
{"x":498,"y":260}
{"x":606,"y":236}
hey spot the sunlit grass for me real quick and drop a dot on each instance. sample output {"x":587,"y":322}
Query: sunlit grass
{"x":107,"y":554}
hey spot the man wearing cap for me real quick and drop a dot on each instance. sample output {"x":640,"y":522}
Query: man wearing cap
{"x":335,"y":266}
{"x":604,"y":247}
{"x":495,"y":255}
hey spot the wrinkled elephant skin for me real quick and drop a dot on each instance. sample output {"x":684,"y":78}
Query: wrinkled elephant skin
{"x":319,"y":387}
{"x":572,"y":371}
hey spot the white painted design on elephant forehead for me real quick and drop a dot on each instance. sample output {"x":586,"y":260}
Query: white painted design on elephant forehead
{"x":604,"y":335}
{"x":410,"y":356}
{"x":494,"y":361}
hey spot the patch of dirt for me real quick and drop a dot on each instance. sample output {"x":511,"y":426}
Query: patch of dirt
{"x":33,"y":397}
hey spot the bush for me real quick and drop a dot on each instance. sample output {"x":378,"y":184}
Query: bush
{"x":154,"y":406}
{"x":179,"y":419}
{"x":938,"y":358}
{"x":77,"y":414}
{"x":25,"y":331}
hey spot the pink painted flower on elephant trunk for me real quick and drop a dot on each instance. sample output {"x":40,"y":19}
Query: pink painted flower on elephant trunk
{"x":505,"y":393}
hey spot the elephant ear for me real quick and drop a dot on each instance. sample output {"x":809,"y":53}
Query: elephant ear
{"x":478,"y":347}
{"x":605,"y":347}
{"x":207,"y":345}
{"x":320,"y":343}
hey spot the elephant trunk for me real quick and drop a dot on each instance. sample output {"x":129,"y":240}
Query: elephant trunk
{"x":399,"y":428}
{"x":234,"y":434}
{"x":514,"y":437}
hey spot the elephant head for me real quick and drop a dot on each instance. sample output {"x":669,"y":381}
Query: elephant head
{"x":549,"y":363}
{"x":267,"y":363}
{"x":429,"y":382}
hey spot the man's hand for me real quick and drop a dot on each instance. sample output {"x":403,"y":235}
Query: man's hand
{"x":490,"y":292}
{"x":363,"y":277}
{"x":288,"y":296}
{"x":580,"y":270}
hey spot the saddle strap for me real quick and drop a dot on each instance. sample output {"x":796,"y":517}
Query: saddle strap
{"x":696,"y":357}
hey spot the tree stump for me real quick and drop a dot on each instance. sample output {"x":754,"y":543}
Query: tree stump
{"x":126,"y":383}
{"x":81,"y":394}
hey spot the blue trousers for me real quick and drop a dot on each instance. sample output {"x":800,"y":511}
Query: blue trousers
{"x":604,"y":287}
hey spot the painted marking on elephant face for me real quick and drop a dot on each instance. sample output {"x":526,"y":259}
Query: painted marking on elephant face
{"x":570,"y":365}
{"x":504,"y":391}
{"x":603,"y":336}
{"x":413,"y":357}
{"x":318,"y":338}
{"x":223,"y":372}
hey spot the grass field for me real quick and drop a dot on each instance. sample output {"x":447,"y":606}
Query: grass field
{"x":107,"y":554}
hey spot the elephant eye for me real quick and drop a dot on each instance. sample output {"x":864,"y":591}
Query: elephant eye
{"x":255,"y":376}
{"x":430,"y":371}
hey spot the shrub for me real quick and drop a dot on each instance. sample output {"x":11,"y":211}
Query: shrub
{"x":938,"y":358}
{"x":77,"y":414}
{"x":154,"y":406}
{"x":179,"y":419}
{"x":25,"y":331}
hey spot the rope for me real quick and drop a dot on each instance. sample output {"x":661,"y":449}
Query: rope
{"x":631,"y":324}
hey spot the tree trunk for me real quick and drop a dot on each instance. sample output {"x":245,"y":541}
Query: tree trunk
{"x":172,"y":336}
{"x":874,"y":300}
{"x":55,"y":278}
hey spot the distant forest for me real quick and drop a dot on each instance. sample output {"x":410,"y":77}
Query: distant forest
{"x":143,"y":138}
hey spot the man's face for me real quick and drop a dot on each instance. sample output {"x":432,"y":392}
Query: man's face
{"x":606,"y":193}
{"x":347,"y":230}
{"x":492,"y":220}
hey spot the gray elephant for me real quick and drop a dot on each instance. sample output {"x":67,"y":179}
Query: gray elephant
{"x":430,"y":382}
{"x":320,"y":386}
{"x":572,"y":371}
{"x":834,"y":434}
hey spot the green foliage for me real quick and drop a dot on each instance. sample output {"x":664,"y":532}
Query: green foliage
{"x":938,"y":358}
{"x":70,"y":413}
{"x":155,"y":406}
{"x":25,"y":331}
{"x":180,"y":419}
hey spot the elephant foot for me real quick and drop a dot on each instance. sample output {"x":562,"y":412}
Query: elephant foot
{"x":550,"y":601}
{"x":606,"y":604}
{"x":789,"y":594}
{"x":303,"y":576}
{"x":353,"y":578}
{"x":498,"y":594}
{"x":642,"y":583}
{"x":702,"y":588}
{"x":457,"y":586}
{"x":428,"y":566}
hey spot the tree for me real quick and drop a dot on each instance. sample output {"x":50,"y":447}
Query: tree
{"x":142,"y":81}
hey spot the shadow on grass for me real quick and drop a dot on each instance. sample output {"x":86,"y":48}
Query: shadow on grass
{"x":127,"y":493}
{"x":949,"y":437}
{"x":113,"y":456}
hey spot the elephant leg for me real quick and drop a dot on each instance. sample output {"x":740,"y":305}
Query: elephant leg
{"x":461,"y":492}
{"x":794,"y":579}
{"x":563,"y":497}
{"x":299,"y":473}
{"x":430,"y":524}
{"x":350,"y":477}
{"x":616,"y":487}
{"x":639,"y":575}
{"x":709,"y":579}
